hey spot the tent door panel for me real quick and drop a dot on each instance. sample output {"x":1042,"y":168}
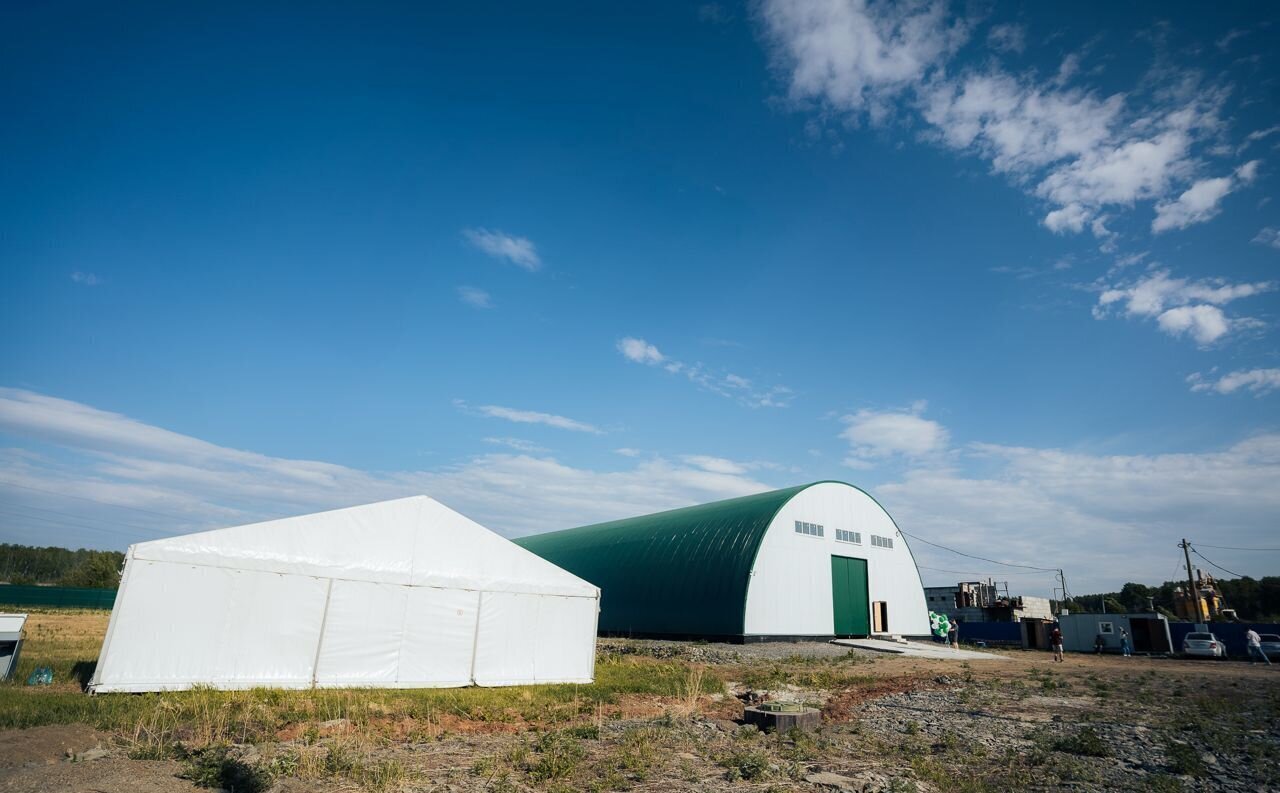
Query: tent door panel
{"x":439,"y":637}
{"x":363,"y":632}
{"x":849,"y":596}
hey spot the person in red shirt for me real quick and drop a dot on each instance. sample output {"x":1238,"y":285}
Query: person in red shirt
{"x":1055,"y":639}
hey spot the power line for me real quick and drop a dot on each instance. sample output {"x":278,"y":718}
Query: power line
{"x":970,"y":572}
{"x":1220,"y":567}
{"x":981,"y":558}
{"x":1233,"y":548}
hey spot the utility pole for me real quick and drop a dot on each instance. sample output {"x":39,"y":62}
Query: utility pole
{"x":1063,"y":579}
{"x":1193,"y":597}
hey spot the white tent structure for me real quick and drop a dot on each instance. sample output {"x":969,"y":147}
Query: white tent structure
{"x":398,"y":594}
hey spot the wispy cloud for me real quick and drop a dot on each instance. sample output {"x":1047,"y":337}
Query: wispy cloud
{"x":520,"y":251}
{"x":519,"y":444}
{"x":728,"y":385}
{"x":85,"y":279}
{"x":1181,"y":306}
{"x":125,"y":480}
{"x":1105,"y":518}
{"x":528,"y":417}
{"x":1269,"y":237}
{"x":1097,"y":515}
{"x":1201,"y":201}
{"x":1257,"y":381}
{"x":1007,"y":38}
{"x":475,"y":297}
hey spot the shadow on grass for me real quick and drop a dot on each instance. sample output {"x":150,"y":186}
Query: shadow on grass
{"x":82,"y":671}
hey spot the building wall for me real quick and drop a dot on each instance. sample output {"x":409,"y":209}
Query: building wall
{"x":1080,"y":630}
{"x":1034,"y":608}
{"x":790,"y":589}
{"x":940,"y":599}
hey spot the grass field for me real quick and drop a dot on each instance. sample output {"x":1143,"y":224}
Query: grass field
{"x":662,"y":724}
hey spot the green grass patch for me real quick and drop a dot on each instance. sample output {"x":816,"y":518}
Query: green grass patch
{"x":1086,"y":743}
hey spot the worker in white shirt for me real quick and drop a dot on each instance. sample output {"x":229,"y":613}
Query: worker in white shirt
{"x":1254,"y":641}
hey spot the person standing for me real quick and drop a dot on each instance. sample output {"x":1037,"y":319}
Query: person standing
{"x":1098,"y":644}
{"x":1055,"y":639}
{"x":953,"y":636}
{"x":1254,"y":641}
{"x":1124,"y":643}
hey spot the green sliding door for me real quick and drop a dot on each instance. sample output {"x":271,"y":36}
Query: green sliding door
{"x":849,"y":596}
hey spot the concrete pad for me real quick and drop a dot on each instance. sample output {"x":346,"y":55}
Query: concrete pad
{"x":918,"y":649}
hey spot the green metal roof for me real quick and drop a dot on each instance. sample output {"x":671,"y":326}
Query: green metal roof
{"x":681,"y":572}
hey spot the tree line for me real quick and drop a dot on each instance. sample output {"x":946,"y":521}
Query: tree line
{"x":1254,"y":599}
{"x":26,"y":564}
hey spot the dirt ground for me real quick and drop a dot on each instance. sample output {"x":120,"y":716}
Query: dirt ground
{"x":890,"y":723}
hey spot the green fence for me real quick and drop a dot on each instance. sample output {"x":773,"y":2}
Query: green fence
{"x":57,"y":596}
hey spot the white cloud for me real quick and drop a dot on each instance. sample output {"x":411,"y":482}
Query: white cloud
{"x":875,"y":435}
{"x":1106,"y":519}
{"x":626,"y":451}
{"x":1180,"y":306}
{"x":1206,"y":324}
{"x":728,"y":385}
{"x":1069,"y":218}
{"x":1269,"y":237}
{"x":475,"y":297}
{"x":639,"y":351}
{"x":1257,"y":381}
{"x":1080,"y":152}
{"x":858,"y":56}
{"x":1007,"y":38}
{"x":500,"y":245}
{"x":163,"y":482}
{"x":85,"y":279}
{"x":1150,"y":294}
{"x":1202,"y":201}
{"x":534,"y":417}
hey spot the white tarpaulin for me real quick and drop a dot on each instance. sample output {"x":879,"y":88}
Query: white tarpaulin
{"x":399,"y":594}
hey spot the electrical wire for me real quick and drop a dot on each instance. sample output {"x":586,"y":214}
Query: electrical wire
{"x":970,"y":572}
{"x":1232,"y":548}
{"x":1220,"y":567}
{"x":980,"y":558}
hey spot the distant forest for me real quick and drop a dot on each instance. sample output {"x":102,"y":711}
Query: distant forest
{"x":1255,"y":600}
{"x":24,"y":564}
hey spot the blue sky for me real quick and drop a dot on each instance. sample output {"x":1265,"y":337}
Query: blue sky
{"x":1012,"y":270}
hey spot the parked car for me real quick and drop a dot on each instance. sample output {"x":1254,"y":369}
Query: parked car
{"x":1203,"y":645}
{"x":1270,"y":645}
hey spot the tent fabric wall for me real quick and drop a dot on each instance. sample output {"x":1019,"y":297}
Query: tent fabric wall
{"x":401,"y":594}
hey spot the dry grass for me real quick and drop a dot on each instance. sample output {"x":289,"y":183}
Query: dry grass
{"x":69,"y":642}
{"x":646,"y":723}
